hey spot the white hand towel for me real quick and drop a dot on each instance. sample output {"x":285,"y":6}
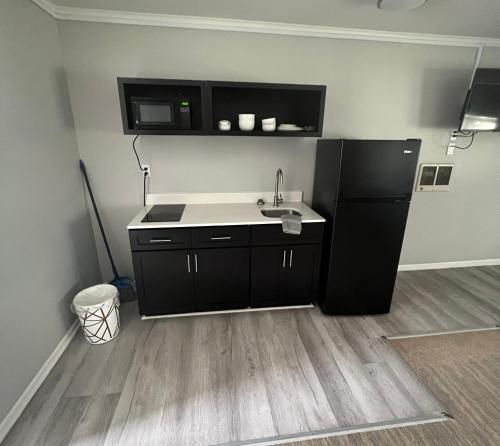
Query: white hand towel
{"x":292,"y":224}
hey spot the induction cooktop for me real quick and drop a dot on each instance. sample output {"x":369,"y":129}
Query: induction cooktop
{"x":164,"y":213}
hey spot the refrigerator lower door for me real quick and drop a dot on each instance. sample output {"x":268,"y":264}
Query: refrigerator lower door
{"x":364,"y":257}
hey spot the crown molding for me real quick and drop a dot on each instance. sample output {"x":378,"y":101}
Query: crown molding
{"x":48,"y":6}
{"x":251,"y":26}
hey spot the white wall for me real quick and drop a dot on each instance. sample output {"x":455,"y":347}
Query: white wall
{"x":47,"y":248}
{"x":375,"y":90}
{"x":462,"y":224}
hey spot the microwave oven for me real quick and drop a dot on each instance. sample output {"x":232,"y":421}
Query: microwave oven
{"x":157,"y":113}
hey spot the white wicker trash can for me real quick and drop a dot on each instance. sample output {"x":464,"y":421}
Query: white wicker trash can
{"x":97,"y":310}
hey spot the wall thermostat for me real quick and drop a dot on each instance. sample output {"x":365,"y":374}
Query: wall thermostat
{"x":434,"y":178}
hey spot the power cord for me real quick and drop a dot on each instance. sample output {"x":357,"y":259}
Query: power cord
{"x":135,"y":151}
{"x":464,"y":135}
{"x":144,"y":171}
{"x":144,"y":189}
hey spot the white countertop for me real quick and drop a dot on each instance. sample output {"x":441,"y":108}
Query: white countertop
{"x":225,"y":214}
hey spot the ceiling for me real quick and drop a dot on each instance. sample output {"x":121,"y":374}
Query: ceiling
{"x":479,"y":18}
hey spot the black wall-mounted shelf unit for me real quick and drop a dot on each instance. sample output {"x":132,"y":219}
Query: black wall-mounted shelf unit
{"x":212,"y":101}
{"x":163,"y":88}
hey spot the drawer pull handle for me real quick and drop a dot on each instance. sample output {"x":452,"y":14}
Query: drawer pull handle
{"x":291,"y":257}
{"x":160,"y":240}
{"x":227,"y":237}
{"x":189,"y":263}
{"x":284,"y":258}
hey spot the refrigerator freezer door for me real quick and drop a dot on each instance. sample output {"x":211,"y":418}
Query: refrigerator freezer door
{"x":378,"y":169}
{"x":364,"y":257}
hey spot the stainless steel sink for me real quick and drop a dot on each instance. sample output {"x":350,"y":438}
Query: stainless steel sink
{"x":277,"y":213}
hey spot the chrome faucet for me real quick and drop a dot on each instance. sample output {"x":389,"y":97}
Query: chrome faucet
{"x":277,"y":196}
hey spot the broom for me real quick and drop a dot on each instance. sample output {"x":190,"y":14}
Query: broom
{"x":120,"y":282}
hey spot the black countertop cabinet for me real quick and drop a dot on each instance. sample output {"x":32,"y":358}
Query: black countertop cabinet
{"x":165,"y":284}
{"x":222,"y":278}
{"x":284,"y":275}
{"x":301,"y":273}
{"x":267,"y":276}
{"x":185,"y":270}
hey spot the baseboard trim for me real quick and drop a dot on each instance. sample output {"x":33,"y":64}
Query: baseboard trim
{"x":36,"y":382}
{"x":443,"y":265}
{"x":242,"y":310}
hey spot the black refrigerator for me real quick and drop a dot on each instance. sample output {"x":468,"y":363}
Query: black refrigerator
{"x":363,"y":188}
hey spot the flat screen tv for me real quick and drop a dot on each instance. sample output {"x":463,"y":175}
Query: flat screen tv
{"x":481,"y":110}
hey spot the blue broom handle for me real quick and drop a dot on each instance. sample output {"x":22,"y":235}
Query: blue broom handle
{"x":101,"y":227}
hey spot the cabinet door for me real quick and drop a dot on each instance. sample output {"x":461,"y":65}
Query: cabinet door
{"x":165,"y":282}
{"x":302,"y":269}
{"x":267,"y":276}
{"x":221,"y":278}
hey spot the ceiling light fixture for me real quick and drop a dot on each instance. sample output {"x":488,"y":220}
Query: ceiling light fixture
{"x":399,"y":5}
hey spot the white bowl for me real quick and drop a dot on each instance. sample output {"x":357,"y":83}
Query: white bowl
{"x":225,"y":125}
{"x":246,"y":126}
{"x":246,"y":116}
{"x":270,"y":127}
{"x":269,"y":121}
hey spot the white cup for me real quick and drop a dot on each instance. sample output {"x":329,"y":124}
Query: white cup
{"x":246,"y":121}
{"x":246,"y":117}
{"x":246,"y":125}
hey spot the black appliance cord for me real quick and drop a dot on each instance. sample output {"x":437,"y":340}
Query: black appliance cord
{"x":135,"y":151}
{"x":471,"y":141}
{"x":142,"y":170}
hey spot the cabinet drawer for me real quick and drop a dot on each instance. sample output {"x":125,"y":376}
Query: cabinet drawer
{"x":160,"y":239}
{"x":221,"y":236}
{"x":274,"y":235}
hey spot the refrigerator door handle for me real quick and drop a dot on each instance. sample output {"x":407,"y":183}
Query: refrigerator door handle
{"x":291,"y":257}
{"x":284,"y":259}
{"x":374,"y":199}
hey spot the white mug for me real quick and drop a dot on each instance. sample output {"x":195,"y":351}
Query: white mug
{"x":246,"y":117}
{"x":246,"y":125}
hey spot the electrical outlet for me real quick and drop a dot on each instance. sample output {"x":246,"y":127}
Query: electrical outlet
{"x":450,"y":150}
{"x":146,"y":168}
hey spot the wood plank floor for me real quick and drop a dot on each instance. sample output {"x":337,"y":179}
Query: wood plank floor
{"x":463,"y":371}
{"x":240,"y":378}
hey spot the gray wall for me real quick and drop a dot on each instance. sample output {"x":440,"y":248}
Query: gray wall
{"x":375,"y":90}
{"x":47,"y":248}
